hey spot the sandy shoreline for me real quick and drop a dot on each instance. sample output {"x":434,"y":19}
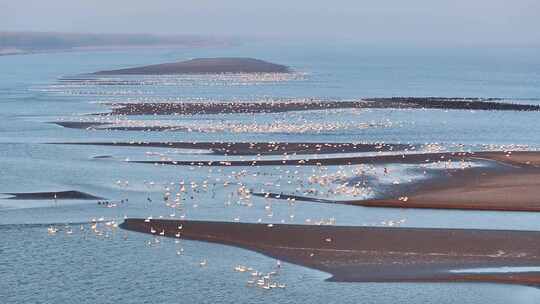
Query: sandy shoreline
{"x":373,"y":254}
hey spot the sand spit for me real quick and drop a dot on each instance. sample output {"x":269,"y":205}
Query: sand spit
{"x":79,"y":124}
{"x":408,"y":158}
{"x":75,"y":195}
{"x":373,"y":254}
{"x":262,"y":148}
{"x":529,"y":159}
{"x":112,"y":126}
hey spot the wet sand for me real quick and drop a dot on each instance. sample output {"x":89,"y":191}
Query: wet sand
{"x":255,"y":148}
{"x":192,"y":108}
{"x":203,"y":66}
{"x":516,"y":191}
{"x":373,"y":254}
{"x":76,"y":195}
{"x":514,"y":185}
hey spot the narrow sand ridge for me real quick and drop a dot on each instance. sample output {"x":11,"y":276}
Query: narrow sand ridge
{"x":79,"y":124}
{"x":111,"y":126}
{"x":528,"y":159}
{"x":373,"y":254}
{"x":192,"y":108}
{"x":75,"y":195}
{"x":203,"y":66}
{"x":254,"y":148}
{"x":416,"y":158}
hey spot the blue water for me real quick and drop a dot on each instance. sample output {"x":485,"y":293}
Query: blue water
{"x":84,"y":268}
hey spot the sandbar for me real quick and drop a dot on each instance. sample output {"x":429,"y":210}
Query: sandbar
{"x":192,"y":108}
{"x":373,"y":254}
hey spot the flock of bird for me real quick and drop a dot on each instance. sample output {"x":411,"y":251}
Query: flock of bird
{"x":235,"y":186}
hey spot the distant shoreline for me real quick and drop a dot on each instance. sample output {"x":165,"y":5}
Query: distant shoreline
{"x":25,"y":43}
{"x":111,"y":48}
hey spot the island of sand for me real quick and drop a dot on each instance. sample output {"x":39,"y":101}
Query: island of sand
{"x":203,"y":66}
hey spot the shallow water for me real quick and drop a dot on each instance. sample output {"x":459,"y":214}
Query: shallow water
{"x":38,"y":268}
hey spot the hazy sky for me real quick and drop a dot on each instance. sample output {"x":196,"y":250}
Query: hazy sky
{"x":453,"y":22}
